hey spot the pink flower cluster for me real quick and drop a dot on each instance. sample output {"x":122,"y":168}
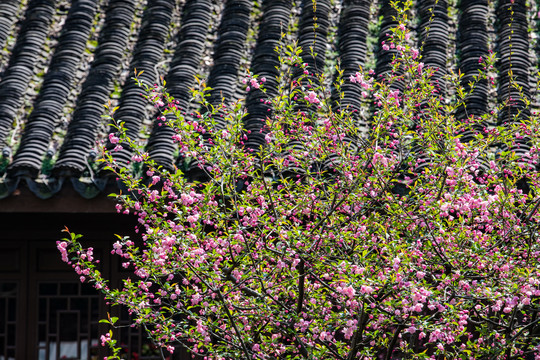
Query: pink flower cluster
{"x":253,"y":83}
{"x":311,"y":97}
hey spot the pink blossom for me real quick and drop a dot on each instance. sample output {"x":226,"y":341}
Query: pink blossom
{"x":62,"y":247}
{"x":117,"y":246}
{"x":397,"y":262}
{"x":187,"y":199}
{"x":311,"y":97}
{"x":113,"y":139}
{"x":254,"y":83}
{"x":105,"y":339}
{"x":349,"y":332}
{"x":153,"y":195}
{"x":136,"y":158}
{"x":349,"y":291}
{"x":366,"y":289}
{"x":411,"y":329}
{"x":394,"y":95}
{"x":359,"y":78}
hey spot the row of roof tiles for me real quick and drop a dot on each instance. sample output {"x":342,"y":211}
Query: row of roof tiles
{"x":79,"y":51}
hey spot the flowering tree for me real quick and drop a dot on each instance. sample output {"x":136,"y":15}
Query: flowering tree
{"x":412,"y":242}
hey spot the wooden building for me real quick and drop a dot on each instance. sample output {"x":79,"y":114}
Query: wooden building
{"x":61,"y":61}
{"x":45,"y":311}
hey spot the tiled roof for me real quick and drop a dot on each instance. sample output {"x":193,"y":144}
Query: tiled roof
{"x":63,"y":60}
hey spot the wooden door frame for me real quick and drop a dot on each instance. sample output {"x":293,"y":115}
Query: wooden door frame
{"x":36,"y":277}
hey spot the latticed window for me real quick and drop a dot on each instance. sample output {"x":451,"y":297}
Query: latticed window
{"x":8,"y":311}
{"x":46,"y":313}
{"x":68,"y":318}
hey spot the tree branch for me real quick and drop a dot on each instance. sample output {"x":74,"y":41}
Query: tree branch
{"x":357,"y":336}
{"x":394,"y":342}
{"x":301,"y":286}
